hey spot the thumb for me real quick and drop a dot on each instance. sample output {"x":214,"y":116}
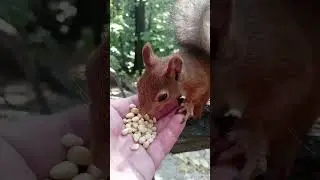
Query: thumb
{"x":166,"y":138}
{"x":122,"y":105}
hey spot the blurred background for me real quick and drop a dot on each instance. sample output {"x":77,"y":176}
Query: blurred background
{"x":44,"y":46}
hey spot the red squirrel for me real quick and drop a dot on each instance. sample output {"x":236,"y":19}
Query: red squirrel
{"x":185,"y":73}
{"x":167,"y":78}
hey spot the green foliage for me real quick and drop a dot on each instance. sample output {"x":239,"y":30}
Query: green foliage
{"x":158,"y":31}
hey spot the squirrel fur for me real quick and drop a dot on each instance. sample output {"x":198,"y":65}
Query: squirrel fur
{"x":192,"y":24}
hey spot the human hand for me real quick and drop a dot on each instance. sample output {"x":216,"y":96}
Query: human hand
{"x":30,"y":146}
{"x":142,"y":163}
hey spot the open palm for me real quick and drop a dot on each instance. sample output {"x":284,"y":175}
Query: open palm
{"x":141,"y":162}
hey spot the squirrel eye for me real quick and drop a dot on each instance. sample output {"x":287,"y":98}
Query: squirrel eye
{"x":162,"y":97}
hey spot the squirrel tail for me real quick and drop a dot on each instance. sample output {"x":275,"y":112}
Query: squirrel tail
{"x":192,"y":24}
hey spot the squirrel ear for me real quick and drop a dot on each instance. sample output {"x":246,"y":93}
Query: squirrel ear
{"x":174,"y":67}
{"x":147,"y":53}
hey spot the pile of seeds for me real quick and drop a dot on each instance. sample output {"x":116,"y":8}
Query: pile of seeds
{"x":142,"y":128}
{"x":77,"y":165}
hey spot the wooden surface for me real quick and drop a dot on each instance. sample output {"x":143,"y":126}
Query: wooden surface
{"x":195,"y":136}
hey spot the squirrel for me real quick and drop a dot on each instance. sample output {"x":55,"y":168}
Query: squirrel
{"x":165,"y":79}
{"x":185,"y":73}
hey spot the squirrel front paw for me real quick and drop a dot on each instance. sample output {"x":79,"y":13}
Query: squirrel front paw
{"x":187,"y":110}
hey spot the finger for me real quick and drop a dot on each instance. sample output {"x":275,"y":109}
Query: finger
{"x":170,"y":134}
{"x":166,"y":139}
{"x":122,"y":105}
{"x":163,"y":122}
{"x":116,"y":124}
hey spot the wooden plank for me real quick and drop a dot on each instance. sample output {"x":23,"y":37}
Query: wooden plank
{"x":195,"y":136}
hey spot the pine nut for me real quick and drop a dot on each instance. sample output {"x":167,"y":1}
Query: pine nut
{"x":135,"y":146}
{"x":125,"y":131}
{"x":135,"y":110}
{"x":132,"y":106}
{"x":129,"y":115}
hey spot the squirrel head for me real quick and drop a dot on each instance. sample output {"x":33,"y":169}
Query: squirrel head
{"x":159,"y":84}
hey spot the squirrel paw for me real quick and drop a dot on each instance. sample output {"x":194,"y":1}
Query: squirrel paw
{"x":187,"y":110}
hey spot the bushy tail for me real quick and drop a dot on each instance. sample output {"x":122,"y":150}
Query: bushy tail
{"x":192,"y":23}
